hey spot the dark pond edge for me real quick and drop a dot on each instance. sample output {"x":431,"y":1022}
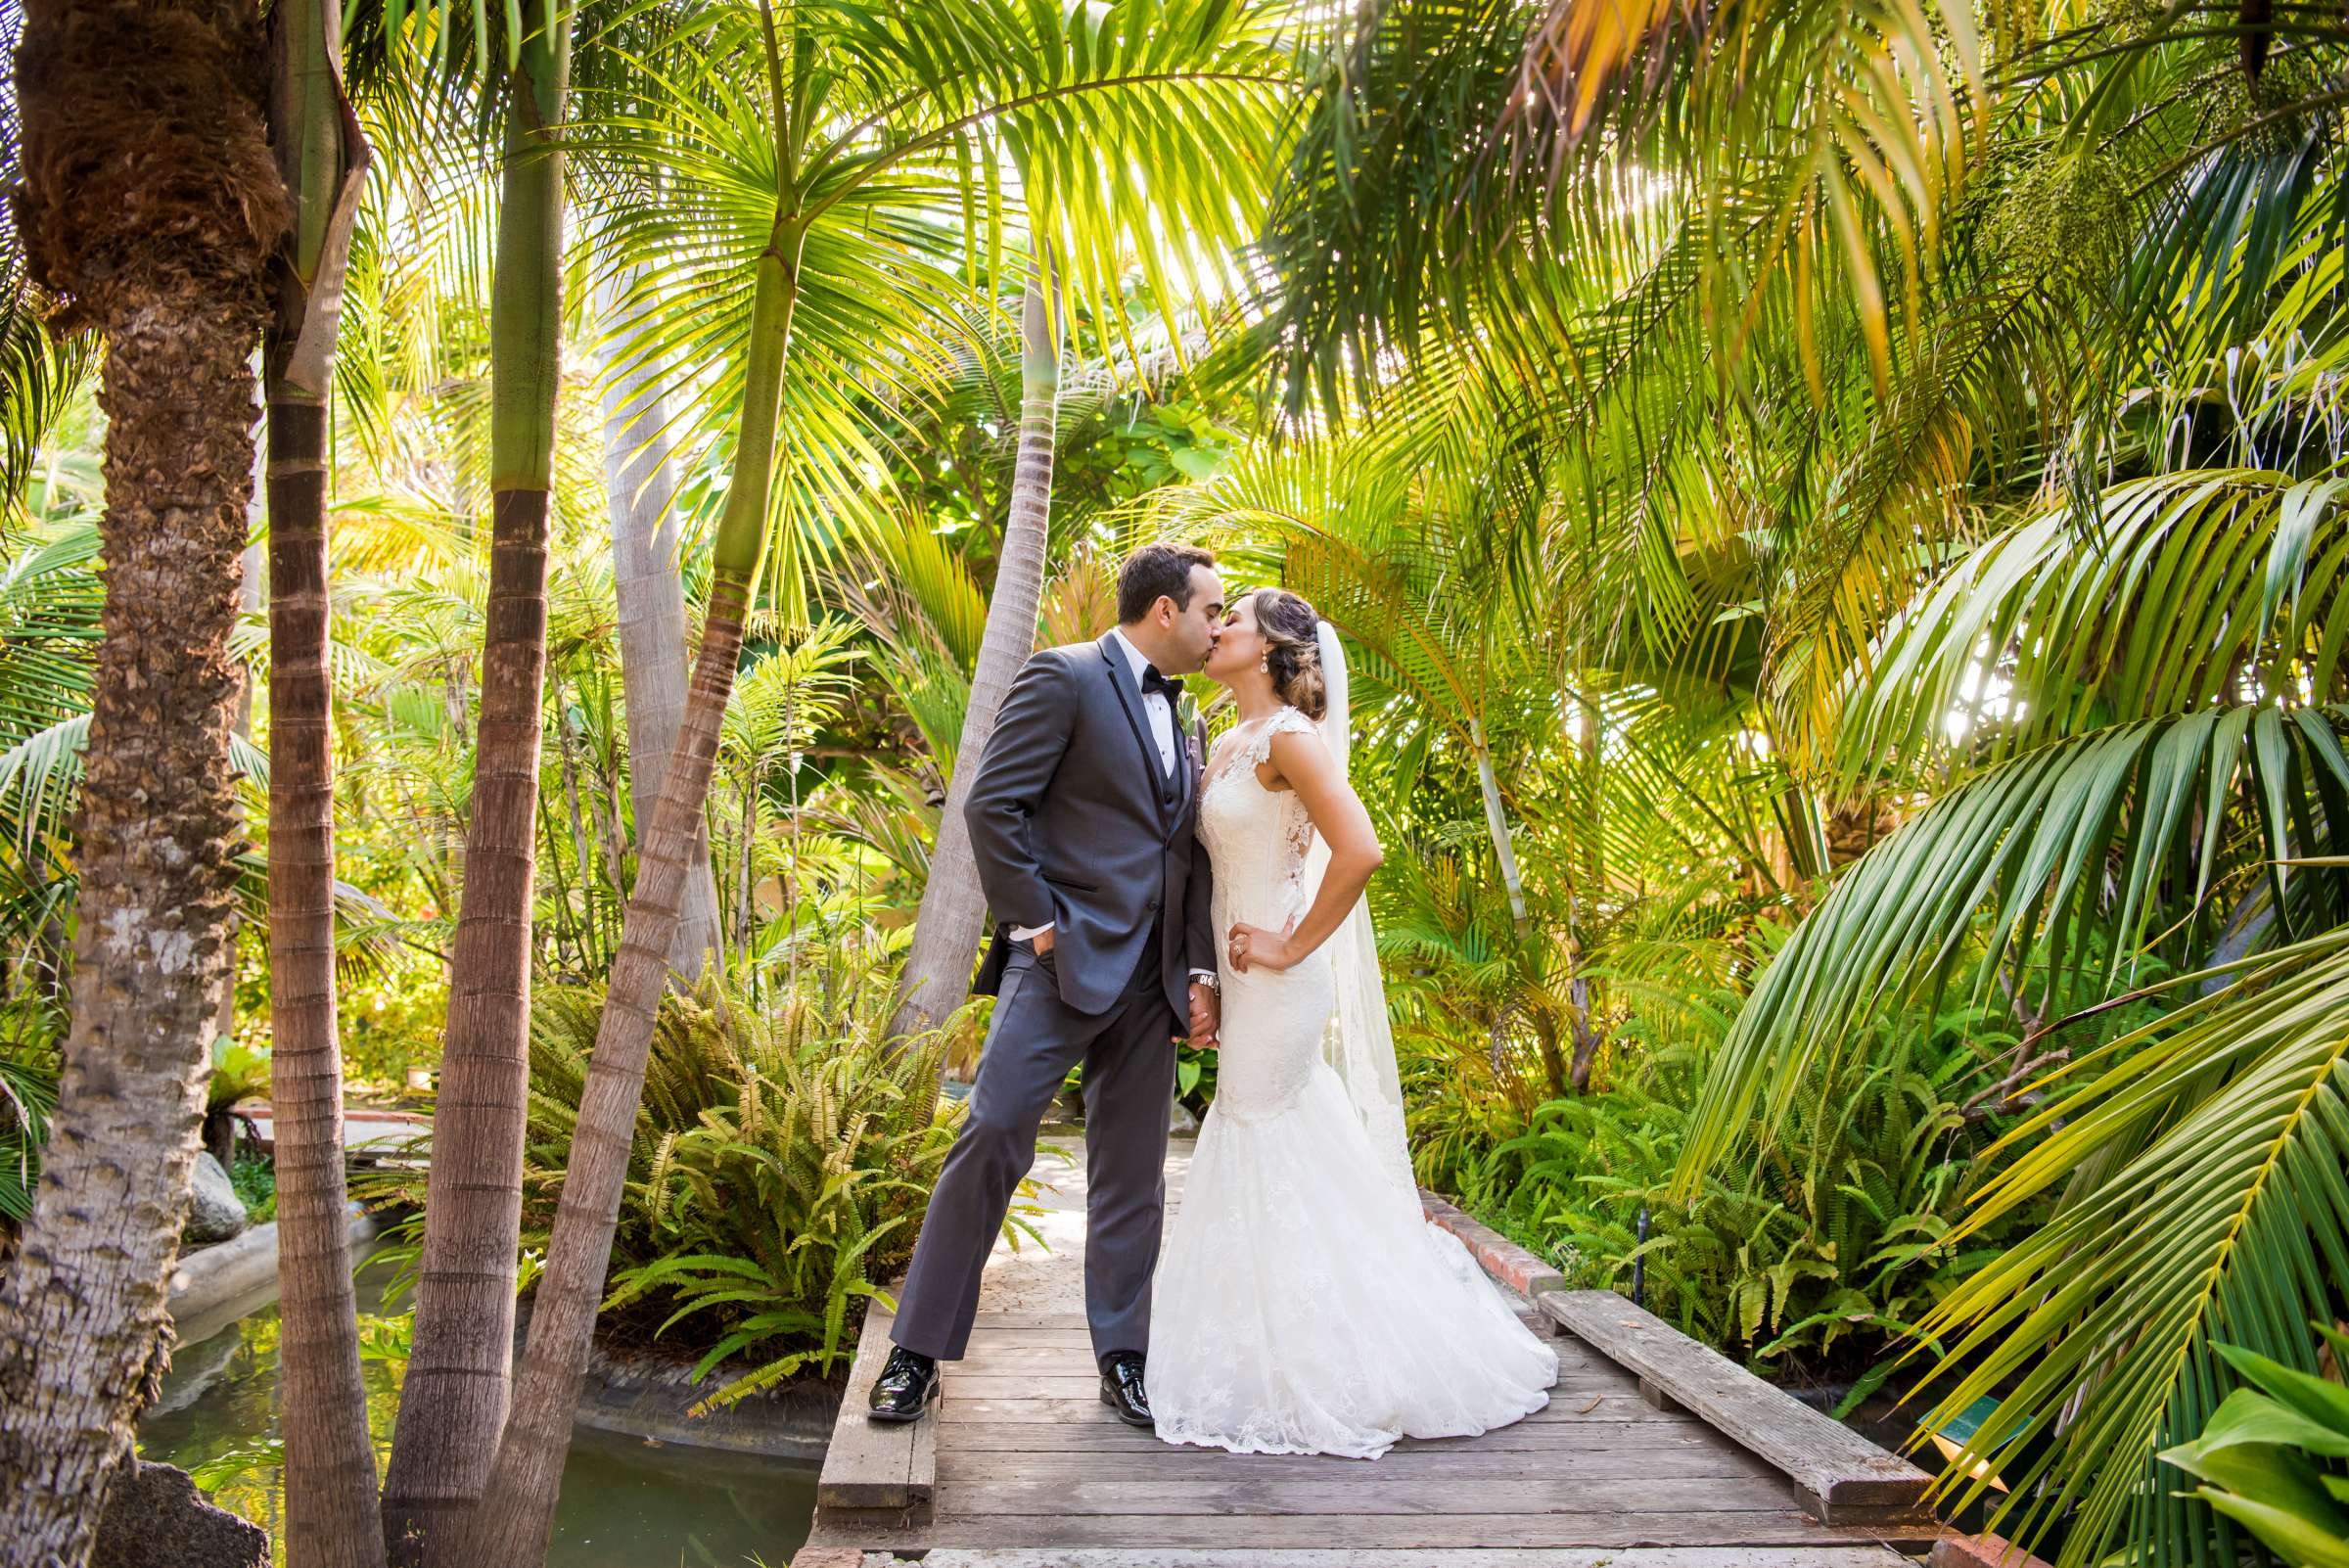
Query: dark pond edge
{"x":630,"y":1392}
{"x":640,"y":1393}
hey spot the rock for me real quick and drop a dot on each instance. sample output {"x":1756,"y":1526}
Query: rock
{"x":156,"y":1518}
{"x":1180,"y":1122}
{"x":1984,"y":1550}
{"x":214,"y":1212}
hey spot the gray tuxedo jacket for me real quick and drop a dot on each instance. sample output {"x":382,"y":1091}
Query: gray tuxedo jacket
{"x":1076,"y":826}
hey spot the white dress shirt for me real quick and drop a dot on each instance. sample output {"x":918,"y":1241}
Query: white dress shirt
{"x":1161,"y":714}
{"x":1154,"y":704}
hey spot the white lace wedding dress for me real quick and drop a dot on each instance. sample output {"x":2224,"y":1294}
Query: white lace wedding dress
{"x":1302,"y":1304}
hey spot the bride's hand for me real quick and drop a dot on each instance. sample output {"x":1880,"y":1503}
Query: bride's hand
{"x":1255,"y":948}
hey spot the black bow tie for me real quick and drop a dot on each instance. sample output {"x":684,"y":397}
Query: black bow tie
{"x":1154,"y":679}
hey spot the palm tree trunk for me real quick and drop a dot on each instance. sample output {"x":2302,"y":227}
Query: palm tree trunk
{"x":333,"y":1516}
{"x":518,"y":1510}
{"x":160,"y":241}
{"x":453,"y":1403}
{"x":640,"y":483}
{"x":953,"y":912}
{"x":1496,"y":823}
{"x":1593,"y":745}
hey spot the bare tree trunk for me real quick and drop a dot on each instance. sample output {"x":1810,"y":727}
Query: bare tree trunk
{"x":160,"y":239}
{"x":332,"y":1514}
{"x":453,"y":1403}
{"x":640,"y":483}
{"x":518,"y":1507}
{"x":517,"y":1510}
{"x":1496,"y":823}
{"x":333,"y":1518}
{"x":953,"y":912}
{"x":1592,"y":746}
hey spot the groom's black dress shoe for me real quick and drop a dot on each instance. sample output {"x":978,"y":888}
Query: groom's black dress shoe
{"x":1121,"y":1388}
{"x":909,"y":1385}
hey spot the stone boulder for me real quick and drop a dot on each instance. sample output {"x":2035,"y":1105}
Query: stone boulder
{"x":215,"y":1211}
{"x":156,"y":1518}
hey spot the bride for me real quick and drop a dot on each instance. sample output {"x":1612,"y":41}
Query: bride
{"x":1302,"y":1304}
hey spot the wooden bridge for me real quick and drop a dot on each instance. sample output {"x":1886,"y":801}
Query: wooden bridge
{"x":1653,"y":1452}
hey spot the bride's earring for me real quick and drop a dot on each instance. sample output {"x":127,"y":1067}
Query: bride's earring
{"x":1263,"y":665}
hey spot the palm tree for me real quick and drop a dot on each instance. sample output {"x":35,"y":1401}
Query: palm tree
{"x":872,"y":118}
{"x":640,"y":485}
{"x":1096,"y":205}
{"x":332,"y":1514}
{"x":953,"y":910}
{"x":159,"y":239}
{"x":452,"y":1403}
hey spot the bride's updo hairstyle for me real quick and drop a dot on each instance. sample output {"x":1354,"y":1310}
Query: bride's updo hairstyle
{"x":1290,"y":627}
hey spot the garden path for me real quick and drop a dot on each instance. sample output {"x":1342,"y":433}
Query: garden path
{"x":1022,"y":1467}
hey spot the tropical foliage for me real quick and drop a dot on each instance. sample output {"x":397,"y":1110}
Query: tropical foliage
{"x":2272,"y":1458}
{"x":1840,"y":514}
{"x":780,"y":1160}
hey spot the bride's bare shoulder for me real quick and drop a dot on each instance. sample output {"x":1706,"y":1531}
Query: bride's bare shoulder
{"x":1292,"y":744}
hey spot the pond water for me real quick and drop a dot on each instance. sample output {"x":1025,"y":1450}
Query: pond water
{"x":626,"y":1504}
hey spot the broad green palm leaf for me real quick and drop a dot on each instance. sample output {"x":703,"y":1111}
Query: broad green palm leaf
{"x":2156,"y":774}
{"x":2206,"y":606}
{"x":2060,"y":862}
{"x":2198,"y":588}
{"x":2199,"y":1163}
{"x":909,"y":122}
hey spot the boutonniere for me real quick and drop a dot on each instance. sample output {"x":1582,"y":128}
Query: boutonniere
{"x":1190,"y":749}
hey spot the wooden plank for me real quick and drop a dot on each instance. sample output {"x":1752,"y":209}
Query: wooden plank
{"x":1556,"y":1442}
{"x":1062,"y":1375}
{"x":1075,"y":1339}
{"x":1369,"y":1491}
{"x":984,"y":1319}
{"x":1000,"y":1399}
{"x":921,"y":1465}
{"x":1308,"y":1557}
{"x":967,"y":1472}
{"x":869,"y":1466}
{"x":1838,"y":1471}
{"x":1788,"y":1527}
{"x":1031,"y":1353}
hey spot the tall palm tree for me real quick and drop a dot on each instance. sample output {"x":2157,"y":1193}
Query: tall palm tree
{"x":954,"y":908}
{"x":640,"y":485}
{"x":152,"y":206}
{"x":331,"y":1515}
{"x":1096,"y":205}
{"x":869,"y":119}
{"x":452,"y":1403}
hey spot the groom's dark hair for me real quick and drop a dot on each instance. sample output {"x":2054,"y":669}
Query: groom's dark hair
{"x":1158,"y":571}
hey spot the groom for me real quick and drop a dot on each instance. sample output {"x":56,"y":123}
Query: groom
{"x":1080,"y":816}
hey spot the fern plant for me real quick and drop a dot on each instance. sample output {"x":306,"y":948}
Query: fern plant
{"x":1815,"y":1249}
{"x":780,"y":1166}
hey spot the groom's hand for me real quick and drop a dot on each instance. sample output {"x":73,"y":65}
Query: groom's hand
{"x":1207,"y":1016}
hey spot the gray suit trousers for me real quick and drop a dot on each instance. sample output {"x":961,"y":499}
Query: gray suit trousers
{"x":1129,"y":1056}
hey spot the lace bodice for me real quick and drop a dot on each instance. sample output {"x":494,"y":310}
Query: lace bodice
{"x":1258,"y":837}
